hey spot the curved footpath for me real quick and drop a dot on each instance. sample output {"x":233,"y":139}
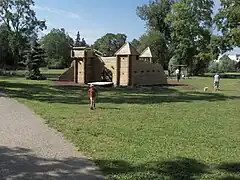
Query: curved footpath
{"x":29,"y":149}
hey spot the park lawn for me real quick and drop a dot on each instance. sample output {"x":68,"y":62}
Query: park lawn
{"x":169,"y":133}
{"x":43,"y":71}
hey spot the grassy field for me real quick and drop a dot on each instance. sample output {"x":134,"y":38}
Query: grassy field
{"x":48,"y":72}
{"x":164,"y":133}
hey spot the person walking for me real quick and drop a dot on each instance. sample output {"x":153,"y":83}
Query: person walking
{"x":178,"y":75}
{"x":92,"y":92}
{"x":216,"y":81}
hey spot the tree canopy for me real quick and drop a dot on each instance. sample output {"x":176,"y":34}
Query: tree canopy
{"x":22,"y":24}
{"x":57,"y":45}
{"x":110,"y":43}
{"x":228,"y":22}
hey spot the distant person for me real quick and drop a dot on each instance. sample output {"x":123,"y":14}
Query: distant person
{"x":92,"y":92}
{"x":178,"y":75}
{"x":216,"y":82}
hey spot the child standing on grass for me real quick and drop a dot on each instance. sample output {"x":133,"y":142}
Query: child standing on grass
{"x":92,"y":92}
{"x":216,"y":82}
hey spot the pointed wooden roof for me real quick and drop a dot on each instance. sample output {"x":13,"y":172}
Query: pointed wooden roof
{"x":146,"y":53}
{"x":127,"y":49}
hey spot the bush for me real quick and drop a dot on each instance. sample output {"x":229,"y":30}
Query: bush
{"x":56,"y":63}
{"x":213,"y":67}
{"x":225,"y":64}
{"x":223,"y":75}
{"x":32,"y":76}
{"x":172,"y":62}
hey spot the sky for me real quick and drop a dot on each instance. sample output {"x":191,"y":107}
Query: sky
{"x":94,"y":18}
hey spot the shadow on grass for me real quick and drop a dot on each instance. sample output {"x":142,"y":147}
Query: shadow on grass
{"x":78,"y":94}
{"x":20,"y":163}
{"x":176,"y":169}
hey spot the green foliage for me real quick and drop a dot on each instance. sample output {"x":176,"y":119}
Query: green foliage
{"x":22,"y":24}
{"x":213,"y":67}
{"x":78,"y":40}
{"x":135,"y":43}
{"x":55,"y":63}
{"x":110,"y":43}
{"x":57,"y":45}
{"x":190,"y":22}
{"x":154,"y":14}
{"x":225,"y":64}
{"x":227,"y":21}
{"x":6,"y":58}
{"x":173,"y":61}
{"x":34,"y":58}
{"x":157,"y":44}
{"x":158,"y":36}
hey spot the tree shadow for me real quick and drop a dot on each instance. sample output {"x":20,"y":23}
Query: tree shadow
{"x":20,"y":163}
{"x":109,"y":108}
{"x":78,"y":94}
{"x":230,"y":167}
{"x":176,"y":169}
{"x":179,"y":168}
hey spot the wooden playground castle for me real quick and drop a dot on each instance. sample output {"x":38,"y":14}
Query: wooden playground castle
{"x":126,"y":68}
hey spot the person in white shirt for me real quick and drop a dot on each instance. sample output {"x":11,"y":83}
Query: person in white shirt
{"x":216,"y":82}
{"x":177,"y":74}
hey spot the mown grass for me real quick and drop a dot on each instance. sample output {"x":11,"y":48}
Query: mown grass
{"x":162,"y":133}
{"x":45,"y":71}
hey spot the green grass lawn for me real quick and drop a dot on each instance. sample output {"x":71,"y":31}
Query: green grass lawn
{"x":45,"y":71}
{"x":165,"y":133}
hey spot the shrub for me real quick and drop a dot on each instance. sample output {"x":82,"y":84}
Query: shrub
{"x":213,"y":67}
{"x":56,"y":63}
{"x":33,"y":76}
{"x":225,"y":64}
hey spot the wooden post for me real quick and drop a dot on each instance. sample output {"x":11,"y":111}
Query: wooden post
{"x":75,"y":71}
{"x":129,"y":70}
{"x":118,"y":74}
{"x":85,"y":67}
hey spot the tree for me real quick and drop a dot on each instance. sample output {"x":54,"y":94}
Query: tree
{"x":34,"y":58}
{"x":156,"y":42}
{"x":154,"y":14}
{"x":57,"y":45}
{"x":213,"y":66}
{"x":136,"y":43}
{"x":228,"y":22}
{"x":6,"y":58}
{"x":83,"y":43}
{"x":158,"y":35}
{"x":78,"y":40}
{"x":190,"y":22}
{"x":21,"y":22}
{"x":226,"y":64}
{"x":110,"y":43}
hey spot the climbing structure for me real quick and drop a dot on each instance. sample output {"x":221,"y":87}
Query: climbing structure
{"x":126,"y":68}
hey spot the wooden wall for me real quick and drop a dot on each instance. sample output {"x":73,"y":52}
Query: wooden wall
{"x":145,"y":73}
{"x":97,"y":68}
{"x":111,"y":64}
{"x":124,"y":70}
{"x":80,"y":72}
{"x":68,"y":75}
